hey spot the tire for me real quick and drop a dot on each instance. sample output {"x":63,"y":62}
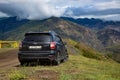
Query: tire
{"x":24,"y":63}
{"x":57,"y":61}
{"x":66,"y":58}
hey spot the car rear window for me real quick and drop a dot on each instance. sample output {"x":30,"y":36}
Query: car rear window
{"x":38,"y":37}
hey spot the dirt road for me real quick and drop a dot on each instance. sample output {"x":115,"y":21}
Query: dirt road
{"x":9,"y":58}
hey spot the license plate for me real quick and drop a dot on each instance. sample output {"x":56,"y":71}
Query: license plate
{"x":35,"y":47}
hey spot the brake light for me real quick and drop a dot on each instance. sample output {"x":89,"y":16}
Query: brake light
{"x":52,"y":45}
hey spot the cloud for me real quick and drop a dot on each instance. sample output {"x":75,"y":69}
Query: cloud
{"x":41,"y":9}
{"x":3,"y":14}
{"x":112,"y":17}
{"x":108,"y":14}
{"x":108,"y":5}
{"x":80,"y":11}
{"x":37,"y":9}
{"x":109,"y":9}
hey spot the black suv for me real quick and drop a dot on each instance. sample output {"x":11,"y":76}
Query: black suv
{"x":42,"y":46}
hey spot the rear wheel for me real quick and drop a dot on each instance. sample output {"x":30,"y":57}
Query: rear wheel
{"x":23,"y":63}
{"x":57,"y":61}
{"x":65,"y":58}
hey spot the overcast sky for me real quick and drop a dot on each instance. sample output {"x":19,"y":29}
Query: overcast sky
{"x":41,"y":9}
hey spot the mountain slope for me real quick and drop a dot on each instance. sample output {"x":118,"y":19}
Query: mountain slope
{"x":114,"y":52}
{"x":8,"y":24}
{"x":108,"y":32}
{"x":94,"y":32}
{"x":65,"y":28}
{"x":109,"y":37}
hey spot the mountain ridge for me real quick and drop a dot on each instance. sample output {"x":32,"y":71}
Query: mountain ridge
{"x":64,"y":28}
{"x":14,"y":29}
{"x":93,"y":23}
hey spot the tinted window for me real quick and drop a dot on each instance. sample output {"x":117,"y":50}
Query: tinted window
{"x":58,"y":39}
{"x":38,"y":37}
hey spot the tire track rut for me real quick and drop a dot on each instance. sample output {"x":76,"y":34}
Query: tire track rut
{"x":9,"y":58}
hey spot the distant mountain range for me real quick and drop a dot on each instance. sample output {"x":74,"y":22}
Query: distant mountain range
{"x":94,"y":23}
{"x":93,"y":32}
{"x":108,"y":32}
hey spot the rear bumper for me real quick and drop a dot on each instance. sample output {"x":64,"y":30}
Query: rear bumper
{"x":31,"y":56}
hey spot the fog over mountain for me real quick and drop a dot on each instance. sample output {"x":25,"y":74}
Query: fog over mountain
{"x":30,"y":9}
{"x":42,"y":9}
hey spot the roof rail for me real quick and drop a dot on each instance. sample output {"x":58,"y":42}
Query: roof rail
{"x":53,"y":32}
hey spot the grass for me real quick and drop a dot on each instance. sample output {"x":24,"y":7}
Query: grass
{"x":76,"y":68}
{"x":20,"y":73}
{"x":65,"y":76}
{"x":17,"y":75}
{"x":85,"y":50}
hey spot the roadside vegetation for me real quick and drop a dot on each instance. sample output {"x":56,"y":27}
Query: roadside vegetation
{"x":76,"y":68}
{"x":84,"y":63}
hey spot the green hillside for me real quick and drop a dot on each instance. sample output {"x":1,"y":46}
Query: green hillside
{"x":114,"y":52}
{"x":84,"y":50}
{"x":78,"y":67}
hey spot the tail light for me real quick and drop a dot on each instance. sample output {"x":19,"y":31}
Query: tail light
{"x":52,"y":45}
